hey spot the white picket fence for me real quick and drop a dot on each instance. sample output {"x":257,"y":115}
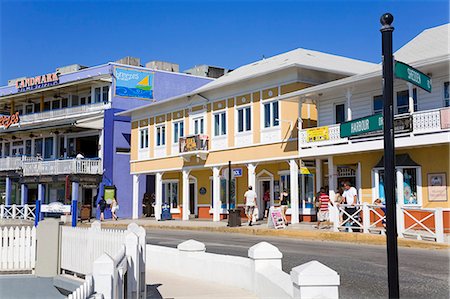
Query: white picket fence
{"x":25,"y":212}
{"x":17,"y":249}
{"x":80,"y":247}
{"x":85,"y":290}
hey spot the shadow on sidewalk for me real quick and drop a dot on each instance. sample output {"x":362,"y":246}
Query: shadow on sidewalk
{"x":152,"y":291}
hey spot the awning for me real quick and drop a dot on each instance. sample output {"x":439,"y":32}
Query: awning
{"x":400,"y":160}
{"x":90,"y":123}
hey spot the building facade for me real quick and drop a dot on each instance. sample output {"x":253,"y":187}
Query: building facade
{"x":181,"y":147}
{"x":61,"y":140}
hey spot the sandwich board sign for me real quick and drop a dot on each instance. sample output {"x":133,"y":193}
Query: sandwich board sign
{"x":275,"y":218}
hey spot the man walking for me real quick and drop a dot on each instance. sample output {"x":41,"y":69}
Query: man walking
{"x":250,"y":204}
{"x":323,"y":214}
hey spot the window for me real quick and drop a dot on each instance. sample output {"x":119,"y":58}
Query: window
{"x":406,"y":188}
{"x":160,"y":135}
{"x":378,"y":104}
{"x":38,"y":147}
{"x":56,"y":104}
{"x":446,"y":95}
{"x":271,"y":114}
{"x":220,"y":124}
{"x":178,"y":131}
{"x":29,"y":108}
{"x":409,"y":186}
{"x":244,"y":119}
{"x":75,"y":101}
{"x":105,"y":94}
{"x":170,"y":194}
{"x":46,"y":106}
{"x":7,"y":147}
{"x":143,"y":138}
{"x":28,"y":147}
{"x":64,"y":103}
{"x":98,"y":94}
{"x":224,"y":193}
{"x":48,"y":151}
{"x":340,"y":113}
{"x":199,"y":125}
{"x":403,"y":101}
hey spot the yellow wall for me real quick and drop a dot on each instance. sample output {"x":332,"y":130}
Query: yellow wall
{"x":134,"y":140}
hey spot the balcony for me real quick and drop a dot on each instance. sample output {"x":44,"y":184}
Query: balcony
{"x":193,"y":145}
{"x":423,"y":123}
{"x":56,"y":167}
{"x":11,"y":163}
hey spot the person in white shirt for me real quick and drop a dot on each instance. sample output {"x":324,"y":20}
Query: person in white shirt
{"x":350,"y":198}
{"x":250,"y":204}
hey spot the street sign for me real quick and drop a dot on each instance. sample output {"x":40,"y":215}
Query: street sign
{"x":237,"y":172}
{"x":362,"y":125}
{"x":412,"y":75}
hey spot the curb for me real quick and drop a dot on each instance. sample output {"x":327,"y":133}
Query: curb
{"x":358,"y":238}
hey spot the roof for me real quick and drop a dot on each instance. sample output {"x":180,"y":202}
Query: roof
{"x":429,"y":43}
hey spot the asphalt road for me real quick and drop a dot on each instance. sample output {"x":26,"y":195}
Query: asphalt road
{"x":423,"y":273}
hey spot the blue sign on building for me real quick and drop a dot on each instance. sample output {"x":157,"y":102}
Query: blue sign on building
{"x":133,"y":83}
{"x":237,"y":172}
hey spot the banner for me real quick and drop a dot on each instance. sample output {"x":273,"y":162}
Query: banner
{"x":133,"y":83}
{"x":317,"y":134}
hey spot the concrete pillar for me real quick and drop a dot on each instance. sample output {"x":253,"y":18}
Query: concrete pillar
{"x":23,"y":194}
{"x":191,"y":246}
{"x":293,"y":171}
{"x":216,"y":194}
{"x":158,"y":195}
{"x":135,"y":213}
{"x":349,"y":105}
{"x":251,"y":169}
{"x":315,"y":280}
{"x":185,"y":194}
{"x":263,"y":256}
{"x":410,"y":98}
{"x":74,"y":207}
{"x":66,"y":147}
{"x":132,"y":252}
{"x":8,"y":191}
{"x":100,"y":144}
{"x":318,"y":175}
{"x":331,"y":178}
{"x":47,"y":255}
{"x":358,"y":182}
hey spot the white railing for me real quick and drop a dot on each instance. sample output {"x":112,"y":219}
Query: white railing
{"x":68,"y":166}
{"x":61,"y":113}
{"x":25,"y":212}
{"x":427,"y":121}
{"x":110,"y":275}
{"x":17,"y":248}
{"x":334,"y":135}
{"x":10,"y":163}
{"x":85,"y":290}
{"x":419,"y":223}
{"x":80,"y":247}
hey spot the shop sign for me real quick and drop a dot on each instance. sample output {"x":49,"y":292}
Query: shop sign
{"x":304,"y":170}
{"x":412,"y":75}
{"x":202,"y":191}
{"x":445,"y":118}
{"x":37,"y":82}
{"x":237,"y":172}
{"x":193,"y":143}
{"x":437,"y":187}
{"x":317,"y":134}
{"x":109,"y":194}
{"x":133,"y":83}
{"x":403,"y":124}
{"x":55,"y":207}
{"x":361,"y":126}
{"x":7,"y":121}
{"x":276,"y":219}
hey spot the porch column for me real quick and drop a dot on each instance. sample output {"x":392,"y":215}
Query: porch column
{"x":66,"y":148}
{"x":39,"y":201}
{"x":251,"y":168}
{"x":400,"y":191}
{"x":135,"y":213}
{"x":23,"y":194}
{"x":318,"y":174}
{"x":185,"y":193}
{"x":216,"y":194}
{"x":349,"y":105}
{"x":8,"y":191}
{"x":410,"y":97}
{"x":293,"y":171}
{"x":358,"y":182}
{"x":55,"y":146}
{"x":331,"y":179}
{"x":100,"y":144}
{"x":74,"y":208}
{"x":158,"y":195}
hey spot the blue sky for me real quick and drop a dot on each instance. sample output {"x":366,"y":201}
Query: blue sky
{"x":38,"y":36}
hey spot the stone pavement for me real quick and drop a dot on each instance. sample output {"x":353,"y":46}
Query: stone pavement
{"x":166,"y":285}
{"x":27,"y":286}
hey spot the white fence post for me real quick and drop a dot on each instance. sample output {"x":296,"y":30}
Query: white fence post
{"x":366,"y":217}
{"x":104,"y":276}
{"x":262,"y":255}
{"x":337,"y":218}
{"x":2,"y":211}
{"x":400,"y":221}
{"x":315,"y":280}
{"x":13,"y":211}
{"x":140,"y":232}
{"x":132,"y":253}
{"x":439,"y":225}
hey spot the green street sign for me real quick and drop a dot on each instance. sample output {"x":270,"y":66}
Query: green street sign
{"x":362,"y":125}
{"x":412,"y":75}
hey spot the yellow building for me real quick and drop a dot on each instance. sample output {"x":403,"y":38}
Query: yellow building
{"x":181,"y":147}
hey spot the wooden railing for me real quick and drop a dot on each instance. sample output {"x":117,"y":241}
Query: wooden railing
{"x":17,"y":248}
{"x":68,"y":166}
{"x":25,"y":212}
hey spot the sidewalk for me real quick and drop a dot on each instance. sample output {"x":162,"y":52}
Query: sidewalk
{"x":303,"y":230}
{"x":167,"y":285}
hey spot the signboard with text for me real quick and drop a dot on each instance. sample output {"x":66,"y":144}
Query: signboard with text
{"x":317,"y":134}
{"x":362,"y":126}
{"x":275,"y":218}
{"x":237,"y":172}
{"x":37,"y":82}
{"x":412,"y":75}
{"x":133,"y":83}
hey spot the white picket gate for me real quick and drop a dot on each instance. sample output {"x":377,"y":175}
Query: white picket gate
{"x":85,"y":290}
{"x":17,"y":249}
{"x":80,"y":247}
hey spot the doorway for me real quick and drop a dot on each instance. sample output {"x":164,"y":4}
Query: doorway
{"x":192,"y":198}
{"x":264,"y":185}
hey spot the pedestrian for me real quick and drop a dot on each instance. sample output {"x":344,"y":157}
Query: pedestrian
{"x":339,"y":200}
{"x":351,"y":200}
{"x":114,"y":208}
{"x":266,"y":199}
{"x":250,"y":204}
{"x":102,"y":206}
{"x":285,"y":200}
{"x":379,"y":203}
{"x":323,"y":214}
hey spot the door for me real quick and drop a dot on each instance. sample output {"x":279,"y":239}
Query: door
{"x":264,"y":187}
{"x":192,"y":199}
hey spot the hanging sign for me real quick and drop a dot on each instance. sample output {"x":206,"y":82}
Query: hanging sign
{"x":237,"y":172}
{"x":37,"y":82}
{"x":412,"y":75}
{"x":55,"y":207}
{"x":317,"y":134}
{"x":7,"y":121}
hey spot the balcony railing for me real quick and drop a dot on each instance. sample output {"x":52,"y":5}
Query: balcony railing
{"x":423,"y":122}
{"x":11,"y":163}
{"x":69,"y":166}
{"x":197,"y":145}
{"x":61,"y":113}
